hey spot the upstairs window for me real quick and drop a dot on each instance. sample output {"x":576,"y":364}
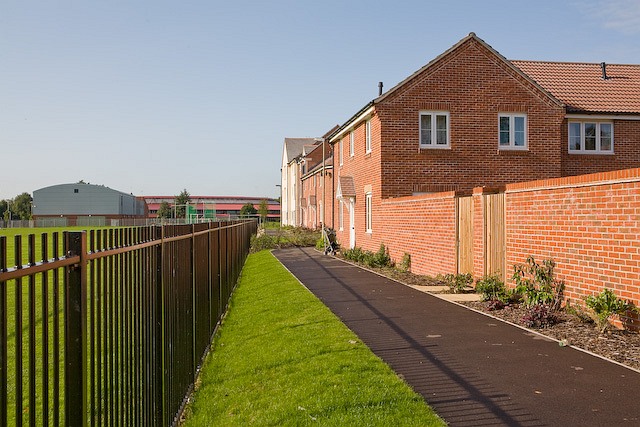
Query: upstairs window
{"x":340,"y":151}
{"x":591,"y":137}
{"x":434,"y":129}
{"x":352,"y":142}
{"x":512,"y":131}
{"x":367,"y":139}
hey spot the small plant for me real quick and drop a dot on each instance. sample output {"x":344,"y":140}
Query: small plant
{"x":264,"y":241}
{"x":492,"y":288}
{"x":605,"y":305}
{"x":537,"y":285}
{"x":368,"y":258}
{"x":458,"y":283}
{"x":405,"y":264}
{"x":579,"y":312}
{"x":382,"y":258}
{"x":540,"y":316}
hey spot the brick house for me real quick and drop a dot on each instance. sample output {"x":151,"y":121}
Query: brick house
{"x":469,"y":119}
{"x":317,"y":185}
{"x":291,"y":173}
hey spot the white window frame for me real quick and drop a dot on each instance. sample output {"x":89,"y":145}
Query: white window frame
{"x":582,"y":149}
{"x":512,"y":140}
{"x":368,"y":220}
{"x":367,"y":138}
{"x":341,"y":216}
{"x":352,"y":143}
{"x":340,"y":150}
{"x":434,"y":115}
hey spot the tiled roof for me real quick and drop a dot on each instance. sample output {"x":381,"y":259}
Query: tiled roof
{"x":346,"y":187}
{"x":294,"y":146}
{"x":581,"y":88}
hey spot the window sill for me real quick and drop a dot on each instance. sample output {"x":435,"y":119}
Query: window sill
{"x":513,"y":151}
{"x":425,"y":149}
{"x":591,"y":153}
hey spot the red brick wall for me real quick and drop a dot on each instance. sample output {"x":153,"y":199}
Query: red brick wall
{"x":473,"y":86}
{"x":424,"y":227}
{"x":626,"y":146}
{"x":589,"y":225}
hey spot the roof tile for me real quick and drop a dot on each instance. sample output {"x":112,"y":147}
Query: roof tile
{"x":582,"y":88}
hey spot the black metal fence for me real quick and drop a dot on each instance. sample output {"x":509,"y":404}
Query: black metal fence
{"x":112,"y":332}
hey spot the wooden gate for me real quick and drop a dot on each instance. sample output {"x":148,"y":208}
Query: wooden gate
{"x":465,"y":234}
{"x":494,"y":235}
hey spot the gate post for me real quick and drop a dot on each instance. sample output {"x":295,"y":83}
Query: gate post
{"x":75,"y":325}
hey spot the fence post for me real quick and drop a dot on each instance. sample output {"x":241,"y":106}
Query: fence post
{"x":75,"y":323}
{"x":158,"y":374}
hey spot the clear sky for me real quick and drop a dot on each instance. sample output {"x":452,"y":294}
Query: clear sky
{"x":150,"y":97}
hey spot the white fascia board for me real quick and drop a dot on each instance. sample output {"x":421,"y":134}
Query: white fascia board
{"x":362,"y":117}
{"x":601,"y":117}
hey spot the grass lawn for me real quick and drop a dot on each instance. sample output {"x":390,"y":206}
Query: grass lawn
{"x":282,"y":358}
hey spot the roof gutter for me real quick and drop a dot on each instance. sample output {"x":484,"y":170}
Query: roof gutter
{"x":364,"y":113}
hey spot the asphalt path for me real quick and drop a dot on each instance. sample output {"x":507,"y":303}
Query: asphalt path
{"x":474,"y":370}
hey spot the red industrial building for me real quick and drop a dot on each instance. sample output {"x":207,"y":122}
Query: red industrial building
{"x":225,"y":207}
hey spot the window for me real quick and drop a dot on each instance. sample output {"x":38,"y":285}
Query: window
{"x":341,"y":216}
{"x":591,"y":137}
{"x":75,"y":190}
{"x":367,"y":139}
{"x":340,"y":151}
{"x":351,"y":143}
{"x":434,"y":129}
{"x":367,"y":209}
{"x":512,"y":131}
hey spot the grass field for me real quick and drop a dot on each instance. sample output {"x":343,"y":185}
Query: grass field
{"x":282,"y":358}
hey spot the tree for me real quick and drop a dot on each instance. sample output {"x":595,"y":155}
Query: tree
{"x":180,"y":201}
{"x":164,"y":211}
{"x":263,"y":210}
{"x":21,"y":206}
{"x":248,"y":210}
{"x":4,"y":207}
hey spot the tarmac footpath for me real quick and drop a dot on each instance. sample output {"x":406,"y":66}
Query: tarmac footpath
{"x":472,"y":369}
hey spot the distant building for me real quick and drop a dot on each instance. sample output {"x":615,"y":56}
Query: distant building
{"x":218,"y":207}
{"x":84,"y":204}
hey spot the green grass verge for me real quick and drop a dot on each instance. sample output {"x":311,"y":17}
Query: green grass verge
{"x":282,"y":358}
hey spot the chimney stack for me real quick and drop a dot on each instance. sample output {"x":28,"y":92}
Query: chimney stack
{"x":604,"y":71}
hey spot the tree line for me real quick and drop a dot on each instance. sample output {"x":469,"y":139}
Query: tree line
{"x":18,"y":208}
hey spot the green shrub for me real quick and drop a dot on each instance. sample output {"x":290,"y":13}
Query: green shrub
{"x":492,"y":288}
{"x":368,"y":258}
{"x":537,"y":285}
{"x":381,"y":258}
{"x":262,"y":242}
{"x":605,"y":305}
{"x":405,"y":264}
{"x":458,"y":283}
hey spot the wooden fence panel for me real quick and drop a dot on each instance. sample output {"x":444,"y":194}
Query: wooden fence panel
{"x":465,"y":234}
{"x":494,"y":234}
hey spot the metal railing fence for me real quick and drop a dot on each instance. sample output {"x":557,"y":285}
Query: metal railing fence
{"x":112,"y":332}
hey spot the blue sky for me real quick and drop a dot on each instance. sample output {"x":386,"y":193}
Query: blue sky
{"x":150,"y":97}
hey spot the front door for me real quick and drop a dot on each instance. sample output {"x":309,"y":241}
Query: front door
{"x":352,"y":224}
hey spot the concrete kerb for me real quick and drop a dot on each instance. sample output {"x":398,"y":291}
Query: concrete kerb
{"x":451,"y":301}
